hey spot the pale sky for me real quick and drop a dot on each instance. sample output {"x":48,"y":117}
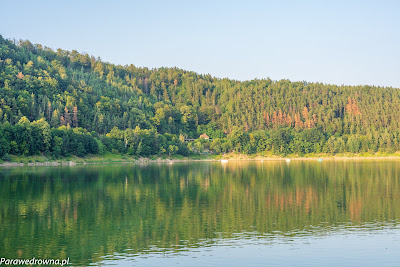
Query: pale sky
{"x":338,"y":42}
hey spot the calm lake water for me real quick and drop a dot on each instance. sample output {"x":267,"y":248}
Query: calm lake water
{"x":243,"y":213}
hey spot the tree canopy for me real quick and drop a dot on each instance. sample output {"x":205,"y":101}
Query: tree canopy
{"x":48,"y":95}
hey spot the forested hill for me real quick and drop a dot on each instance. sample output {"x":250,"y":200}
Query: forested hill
{"x":141,"y":111}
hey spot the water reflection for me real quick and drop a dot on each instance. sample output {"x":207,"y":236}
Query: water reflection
{"x":101,"y":213}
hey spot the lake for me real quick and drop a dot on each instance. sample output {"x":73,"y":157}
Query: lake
{"x":240,"y":213}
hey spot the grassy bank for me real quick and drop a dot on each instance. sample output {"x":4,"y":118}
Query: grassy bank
{"x":93,"y":159}
{"x":119,"y":158}
{"x":270,"y":156}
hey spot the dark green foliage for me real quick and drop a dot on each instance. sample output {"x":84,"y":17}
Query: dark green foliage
{"x":64,"y":103}
{"x":280,"y":140}
{"x":4,"y":147}
{"x":6,"y":157}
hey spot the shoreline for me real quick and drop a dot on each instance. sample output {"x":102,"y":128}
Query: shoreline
{"x":225,"y":158}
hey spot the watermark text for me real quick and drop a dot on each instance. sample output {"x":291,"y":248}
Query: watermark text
{"x":34,"y":261}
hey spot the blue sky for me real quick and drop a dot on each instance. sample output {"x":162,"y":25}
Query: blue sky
{"x":338,"y":42}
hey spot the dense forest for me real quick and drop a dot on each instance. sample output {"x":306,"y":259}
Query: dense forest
{"x":61,"y":103}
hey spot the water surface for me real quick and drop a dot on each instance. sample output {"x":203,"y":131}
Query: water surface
{"x":243,"y":213}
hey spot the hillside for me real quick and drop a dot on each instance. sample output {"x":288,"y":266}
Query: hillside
{"x":61,"y":102}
